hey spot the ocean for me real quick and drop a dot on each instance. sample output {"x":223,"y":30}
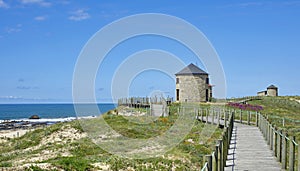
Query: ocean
{"x":47,"y":111}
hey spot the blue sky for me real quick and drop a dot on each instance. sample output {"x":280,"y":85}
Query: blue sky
{"x":257,"y":42}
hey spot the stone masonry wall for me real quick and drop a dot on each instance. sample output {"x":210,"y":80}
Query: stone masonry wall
{"x":192,"y":88}
{"x":272,"y":92}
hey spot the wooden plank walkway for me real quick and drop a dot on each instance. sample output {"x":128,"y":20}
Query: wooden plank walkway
{"x":249,"y":151}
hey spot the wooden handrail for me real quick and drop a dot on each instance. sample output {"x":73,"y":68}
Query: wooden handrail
{"x":217,"y":160}
{"x":283,"y":146}
{"x":279,"y":142}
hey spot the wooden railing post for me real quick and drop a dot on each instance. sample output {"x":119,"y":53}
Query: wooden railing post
{"x":234,"y":112}
{"x":279,"y":146}
{"x":241,"y":116}
{"x":256,"y":118}
{"x":283,"y":155}
{"x":228,"y":137}
{"x":204,"y":162}
{"x":225,"y":150}
{"x":213,"y":117}
{"x":298,"y":156}
{"x":263,"y":125}
{"x":259,"y":122}
{"x":292,"y":154}
{"x":270,"y":134}
{"x":225,"y":119}
{"x":215,"y":158}
{"x":219,"y":117}
{"x":208,"y":159}
{"x":266,"y":129}
{"x":248,"y":118}
{"x":207,"y":115}
{"x":267,"y":132}
{"x":231,"y":124}
{"x":271,"y":137}
{"x":275,"y":142}
{"x":220,"y":156}
{"x":228,"y":141}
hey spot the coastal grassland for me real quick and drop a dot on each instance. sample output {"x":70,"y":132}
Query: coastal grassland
{"x":282,"y":111}
{"x":66,"y":146}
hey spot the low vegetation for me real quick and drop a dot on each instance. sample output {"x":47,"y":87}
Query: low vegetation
{"x":282,"y":111}
{"x":65,"y":146}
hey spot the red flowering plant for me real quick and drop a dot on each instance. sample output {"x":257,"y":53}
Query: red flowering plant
{"x":245,"y":106}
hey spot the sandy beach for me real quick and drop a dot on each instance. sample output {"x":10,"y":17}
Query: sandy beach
{"x":14,"y":133}
{"x":18,"y":128}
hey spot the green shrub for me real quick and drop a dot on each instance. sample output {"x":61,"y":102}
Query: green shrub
{"x":33,"y":168}
{"x":5,"y":164}
{"x":72,"y":163}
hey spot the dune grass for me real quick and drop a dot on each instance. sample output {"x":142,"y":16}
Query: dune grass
{"x":31,"y":151}
{"x":283,"y":112}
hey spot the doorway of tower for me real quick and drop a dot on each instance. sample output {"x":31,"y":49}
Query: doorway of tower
{"x":177,"y":94}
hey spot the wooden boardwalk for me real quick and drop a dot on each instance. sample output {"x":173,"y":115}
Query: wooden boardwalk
{"x":249,"y":151}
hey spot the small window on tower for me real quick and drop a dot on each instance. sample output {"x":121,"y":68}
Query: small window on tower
{"x":177,"y":80}
{"x":207,"y":80}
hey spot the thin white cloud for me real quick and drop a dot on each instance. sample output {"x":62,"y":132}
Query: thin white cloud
{"x":266,"y":3}
{"x":22,"y":99}
{"x":37,"y":2}
{"x":79,"y":15}
{"x":24,"y":87}
{"x":27,"y":87}
{"x":13,"y":30}
{"x":64,"y":2}
{"x":40,"y":18}
{"x":11,"y":97}
{"x":3,"y":4}
{"x":291,"y":3}
{"x":245,"y":4}
{"x":16,"y":29}
{"x":21,"y":80}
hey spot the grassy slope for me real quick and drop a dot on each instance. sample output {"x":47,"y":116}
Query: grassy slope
{"x":277,"y":108}
{"x":80,"y":153}
{"x":50,"y":148}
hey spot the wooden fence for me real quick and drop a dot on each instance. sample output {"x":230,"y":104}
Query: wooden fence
{"x":217,"y":160}
{"x":282,"y":145}
{"x":143,"y":102}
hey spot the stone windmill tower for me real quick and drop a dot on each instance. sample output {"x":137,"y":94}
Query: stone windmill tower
{"x":192,"y":85}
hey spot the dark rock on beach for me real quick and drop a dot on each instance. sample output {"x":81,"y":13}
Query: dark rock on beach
{"x":34,"y":117}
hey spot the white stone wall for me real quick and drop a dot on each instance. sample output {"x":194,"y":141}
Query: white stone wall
{"x":192,"y":88}
{"x":262,"y":93}
{"x":272,"y":92}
